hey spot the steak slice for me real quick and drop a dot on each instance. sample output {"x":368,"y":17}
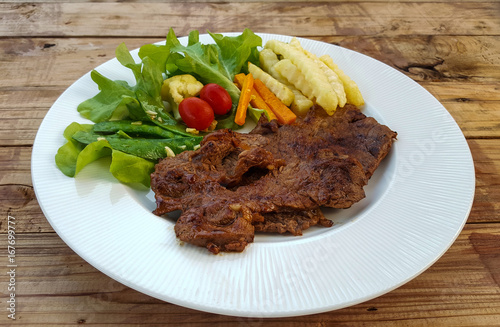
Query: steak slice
{"x":293,"y":222}
{"x":347,"y":132}
{"x":274,"y":179}
{"x":232,"y":182}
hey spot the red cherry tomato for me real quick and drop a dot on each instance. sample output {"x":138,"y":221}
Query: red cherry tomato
{"x":196,"y":113}
{"x":217,"y":97}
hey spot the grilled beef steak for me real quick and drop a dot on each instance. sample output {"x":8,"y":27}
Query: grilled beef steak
{"x":274,"y":179}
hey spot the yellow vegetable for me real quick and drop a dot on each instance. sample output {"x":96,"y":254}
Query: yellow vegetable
{"x":267,"y":59}
{"x":300,"y":104}
{"x":352,"y":91}
{"x":177,"y":88}
{"x":320,"y":89}
{"x":333,"y":78}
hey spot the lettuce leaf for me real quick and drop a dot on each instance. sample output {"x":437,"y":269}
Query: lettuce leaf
{"x":73,"y":156}
{"x":131,"y":169}
{"x":67,"y":154}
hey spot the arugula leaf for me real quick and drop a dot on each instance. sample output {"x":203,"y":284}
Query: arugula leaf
{"x":113,"y":100}
{"x":159,"y":54}
{"x":244,"y":45}
{"x":125,"y":58}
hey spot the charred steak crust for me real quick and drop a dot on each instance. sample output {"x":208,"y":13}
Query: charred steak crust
{"x":274,"y":179}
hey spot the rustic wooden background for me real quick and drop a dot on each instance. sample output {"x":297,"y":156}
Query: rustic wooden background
{"x":451,"y":49}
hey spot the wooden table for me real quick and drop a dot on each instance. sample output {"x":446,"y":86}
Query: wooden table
{"x":451,"y":49}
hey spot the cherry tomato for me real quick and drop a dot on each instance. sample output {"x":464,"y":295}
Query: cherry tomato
{"x":196,"y":113}
{"x":217,"y":97}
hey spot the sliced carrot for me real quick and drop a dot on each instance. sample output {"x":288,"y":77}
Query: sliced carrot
{"x":255,"y":99}
{"x":246,"y":92}
{"x":282,"y":112}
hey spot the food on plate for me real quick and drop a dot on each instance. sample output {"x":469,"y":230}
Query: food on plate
{"x":281,"y":91}
{"x":300,"y":104}
{"x":280,"y":110}
{"x":196,"y":113}
{"x":307,"y":76}
{"x":352,"y":91}
{"x":151,"y":100}
{"x":244,"y":101}
{"x":177,"y":88}
{"x":133,"y":147}
{"x":255,"y":99}
{"x":198,"y":74}
{"x":263,"y":98}
{"x":274,"y":179}
{"x":174,"y":130}
{"x":319,"y":79}
{"x":332,"y":77}
{"x":217,"y":97}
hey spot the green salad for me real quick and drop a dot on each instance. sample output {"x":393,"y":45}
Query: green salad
{"x":133,"y":124}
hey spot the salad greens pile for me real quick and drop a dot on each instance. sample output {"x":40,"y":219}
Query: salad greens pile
{"x":140,"y":129}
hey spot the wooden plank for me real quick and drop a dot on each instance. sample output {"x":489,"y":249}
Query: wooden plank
{"x":432,"y":58}
{"x":15,"y":165}
{"x":237,"y":1}
{"x":486,"y":206}
{"x":55,"y":286}
{"x":343,"y":18}
{"x":462,"y":92}
{"x":18,"y":199}
{"x":479,"y":119}
{"x":60,"y":62}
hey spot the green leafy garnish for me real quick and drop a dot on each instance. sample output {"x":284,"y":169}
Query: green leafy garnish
{"x":74,"y":156}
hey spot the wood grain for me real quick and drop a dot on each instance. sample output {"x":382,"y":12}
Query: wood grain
{"x":317,"y":18}
{"x":454,"y":59}
{"x":57,"y":287}
{"x":451,"y":48}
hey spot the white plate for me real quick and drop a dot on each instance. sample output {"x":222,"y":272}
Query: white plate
{"x":416,"y":205}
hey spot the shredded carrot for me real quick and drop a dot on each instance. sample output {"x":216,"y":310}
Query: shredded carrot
{"x":245,"y":96}
{"x":282,"y":112}
{"x":255,"y":99}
